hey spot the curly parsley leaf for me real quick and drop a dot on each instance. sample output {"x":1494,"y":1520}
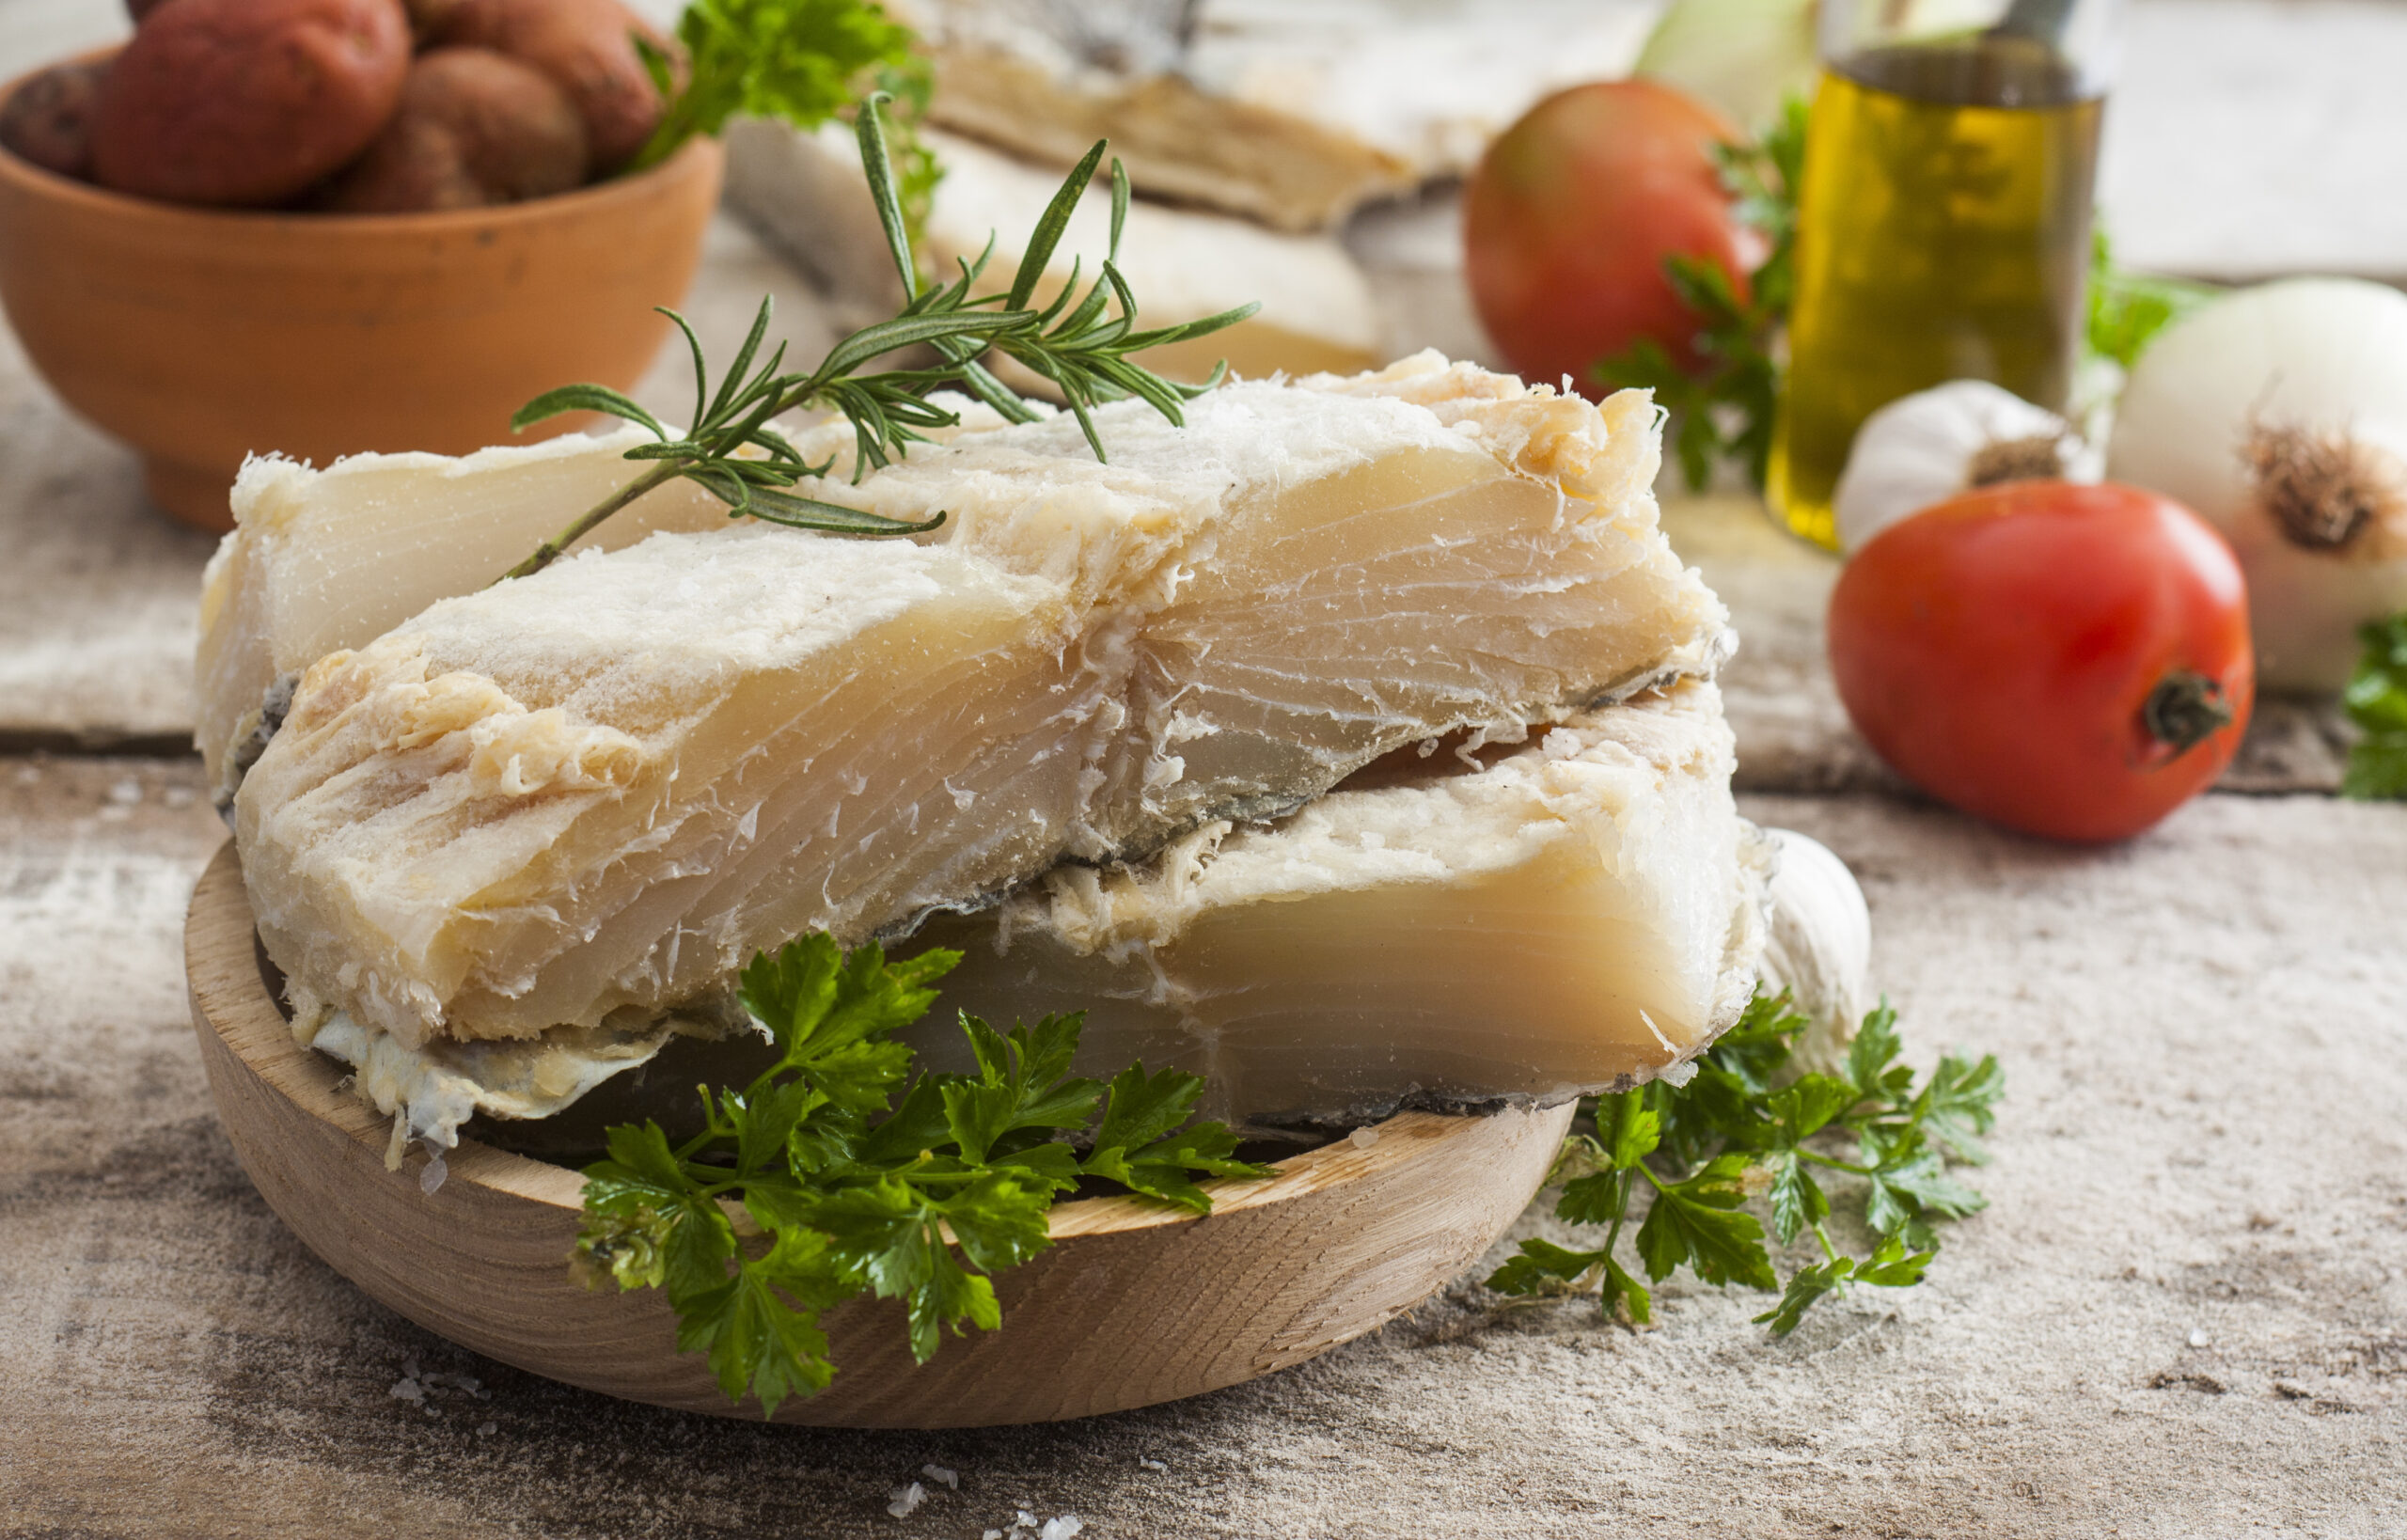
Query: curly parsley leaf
{"x":1890,"y":1266}
{"x":854,"y":1176}
{"x":1698,"y":1222}
{"x":1744,"y":1126}
{"x":800,"y":61}
{"x":2376,"y":701}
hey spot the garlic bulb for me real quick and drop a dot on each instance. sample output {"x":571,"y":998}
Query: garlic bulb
{"x":1819,"y":948}
{"x":2279,"y":415}
{"x":1926,"y":448}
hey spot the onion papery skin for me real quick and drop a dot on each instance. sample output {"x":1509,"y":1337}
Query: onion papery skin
{"x":2319,"y":355}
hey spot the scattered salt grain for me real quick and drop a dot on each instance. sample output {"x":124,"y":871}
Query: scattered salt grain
{"x":1153,"y":1465}
{"x":1362,"y":1139}
{"x":939,"y":1473}
{"x":2198,"y":1339}
{"x":408,"y":1390}
{"x":486,"y":1430}
{"x":1059,"y":1529}
{"x":28,"y":774}
{"x":178,"y":796}
{"x":903,"y":1500}
{"x":992,"y":1534}
{"x":126,"y":793}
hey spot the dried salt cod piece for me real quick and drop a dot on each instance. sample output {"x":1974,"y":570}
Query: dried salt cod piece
{"x":807,"y":189}
{"x":1293,"y":115}
{"x":1582,"y":913}
{"x":321,"y":559}
{"x":1328,"y":570}
{"x":431,"y":1092}
{"x":607,"y":786}
{"x":325,"y":559}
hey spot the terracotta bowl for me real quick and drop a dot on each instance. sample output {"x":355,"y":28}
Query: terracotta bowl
{"x":1131,"y":1304}
{"x":200,"y":336}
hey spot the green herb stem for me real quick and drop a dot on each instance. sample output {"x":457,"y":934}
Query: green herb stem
{"x":1742,"y":1124}
{"x":587,"y":522}
{"x":852,"y":1174}
{"x":1084,"y":349}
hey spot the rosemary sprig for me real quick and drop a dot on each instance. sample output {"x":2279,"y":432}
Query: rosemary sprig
{"x":1082,"y":348}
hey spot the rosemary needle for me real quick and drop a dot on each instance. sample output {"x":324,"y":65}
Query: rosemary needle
{"x":1083,"y":349}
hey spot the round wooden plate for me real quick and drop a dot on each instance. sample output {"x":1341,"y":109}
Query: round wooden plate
{"x":1132,"y":1305}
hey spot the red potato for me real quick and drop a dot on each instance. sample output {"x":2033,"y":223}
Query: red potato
{"x":140,"y":8}
{"x":474,"y":127}
{"x":247,"y":102}
{"x":588,"y":47}
{"x":2069,"y":661}
{"x":48,"y":120}
{"x":426,"y":16}
{"x":1570,"y":215}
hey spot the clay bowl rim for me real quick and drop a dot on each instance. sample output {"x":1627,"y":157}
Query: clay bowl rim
{"x":130,"y":207}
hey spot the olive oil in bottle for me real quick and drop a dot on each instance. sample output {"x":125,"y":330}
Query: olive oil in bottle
{"x":1942,"y":234}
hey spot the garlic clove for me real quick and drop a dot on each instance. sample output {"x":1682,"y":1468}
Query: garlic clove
{"x":1818,"y":946}
{"x":1926,"y":448}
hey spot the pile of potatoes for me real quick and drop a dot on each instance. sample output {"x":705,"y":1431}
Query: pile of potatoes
{"x":352,"y":106}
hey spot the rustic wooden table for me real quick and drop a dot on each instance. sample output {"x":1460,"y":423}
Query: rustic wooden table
{"x":2185,"y":1313}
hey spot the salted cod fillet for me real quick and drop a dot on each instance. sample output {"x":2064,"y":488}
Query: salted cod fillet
{"x":324,"y":560}
{"x":1579,"y":914}
{"x":1582,"y":913}
{"x":605,"y":787}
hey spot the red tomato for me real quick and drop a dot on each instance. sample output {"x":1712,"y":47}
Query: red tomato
{"x":2070,"y":661}
{"x":1569,"y":216}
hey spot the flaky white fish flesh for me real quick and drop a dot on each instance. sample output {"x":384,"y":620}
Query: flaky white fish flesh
{"x":607,"y":785}
{"x":1583,"y":913}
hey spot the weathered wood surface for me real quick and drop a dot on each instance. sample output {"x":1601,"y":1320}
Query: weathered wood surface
{"x":1133,"y":1305}
{"x":97,"y":593}
{"x":2181,"y":1316}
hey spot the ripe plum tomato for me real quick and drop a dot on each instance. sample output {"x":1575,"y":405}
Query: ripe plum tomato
{"x":1570,"y":215}
{"x":2069,"y":661}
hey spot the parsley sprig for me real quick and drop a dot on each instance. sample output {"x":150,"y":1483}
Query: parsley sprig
{"x":813,"y":1184}
{"x":1737,"y":1130}
{"x":802,"y":61}
{"x":1081,"y":344}
{"x":2376,"y":701}
{"x":1725,"y":411}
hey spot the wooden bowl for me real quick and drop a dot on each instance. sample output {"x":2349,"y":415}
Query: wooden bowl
{"x":1132,"y":1305}
{"x":199,"y":336}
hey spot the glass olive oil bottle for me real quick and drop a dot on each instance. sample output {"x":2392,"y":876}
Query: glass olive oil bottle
{"x":1942,"y":234}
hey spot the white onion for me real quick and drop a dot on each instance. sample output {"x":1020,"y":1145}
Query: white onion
{"x":2279,"y":413}
{"x":1927,"y":447}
